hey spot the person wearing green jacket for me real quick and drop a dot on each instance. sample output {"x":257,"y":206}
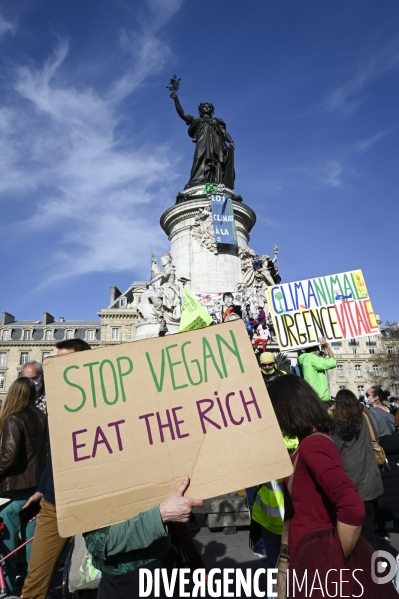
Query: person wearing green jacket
{"x":314,"y":368}
{"x":120,"y":550}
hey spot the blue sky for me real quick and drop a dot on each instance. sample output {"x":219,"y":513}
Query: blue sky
{"x":92,"y":152}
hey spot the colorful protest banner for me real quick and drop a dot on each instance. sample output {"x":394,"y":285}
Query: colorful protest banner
{"x":127,"y":422}
{"x":193,"y":315}
{"x":224,"y":225}
{"x":336,"y":307}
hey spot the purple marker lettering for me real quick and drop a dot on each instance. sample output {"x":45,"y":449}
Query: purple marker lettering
{"x":118,"y":435}
{"x":203,"y":412}
{"x":247,"y":403}
{"x":147,"y":417}
{"x":237,"y":422}
{"x":178,"y":422}
{"x":167,"y":425}
{"x":100,"y":439}
{"x":76,"y":446}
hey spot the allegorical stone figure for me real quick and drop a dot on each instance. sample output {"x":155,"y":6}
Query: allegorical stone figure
{"x":214,"y":151}
{"x":163,"y":297}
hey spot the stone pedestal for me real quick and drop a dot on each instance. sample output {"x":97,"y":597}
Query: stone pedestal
{"x":145,"y":330}
{"x":211,"y":268}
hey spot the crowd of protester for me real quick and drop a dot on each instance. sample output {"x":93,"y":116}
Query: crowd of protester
{"x":341,"y":496}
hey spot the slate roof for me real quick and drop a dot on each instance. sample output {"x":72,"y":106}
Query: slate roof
{"x":56,"y":323}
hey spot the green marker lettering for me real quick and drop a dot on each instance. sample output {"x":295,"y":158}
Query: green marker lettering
{"x":105,"y":398}
{"x":320,"y":292}
{"x":171,"y":367}
{"x":68,"y":382}
{"x":93,"y":387}
{"x":208,"y":354}
{"x":196,"y":362}
{"x":122,"y":374}
{"x":158,"y":384}
{"x":234,"y":350}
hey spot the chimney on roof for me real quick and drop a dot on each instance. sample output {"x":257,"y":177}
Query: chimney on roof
{"x":61,"y":319}
{"x":115,"y":293}
{"x":47,"y":318}
{"x":7,"y":318}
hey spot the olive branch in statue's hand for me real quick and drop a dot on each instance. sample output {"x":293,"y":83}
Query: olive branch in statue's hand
{"x":173,"y":86}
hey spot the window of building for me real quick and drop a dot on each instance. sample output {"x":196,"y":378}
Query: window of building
{"x":70,"y":334}
{"x":353,"y":342}
{"x":371,"y":341}
{"x":3,"y":358}
{"x":48,"y":335}
{"x":371,"y":351}
{"x":123,"y":302}
{"x":340,"y":371}
{"x":376,"y":370}
{"x":2,"y":380}
{"x":336,"y":346}
{"x":6,"y":335}
{"x":354,"y":350}
{"x":45,"y":355}
{"x":342,"y":387}
{"x":91,"y":335}
{"x":115,"y":334}
{"x":360,"y":390}
{"x":390,"y":350}
{"x":27,"y":336}
{"x":358,"y":371}
{"x":24,"y":358}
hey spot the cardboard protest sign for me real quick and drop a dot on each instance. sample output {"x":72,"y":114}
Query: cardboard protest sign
{"x":193,"y":315}
{"x":129,"y":421}
{"x":336,"y":307}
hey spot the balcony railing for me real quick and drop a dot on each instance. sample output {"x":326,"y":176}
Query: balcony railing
{"x":371,"y":343}
{"x":353,"y":342}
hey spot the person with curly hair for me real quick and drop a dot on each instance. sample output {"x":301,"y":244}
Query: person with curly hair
{"x":352,"y":437}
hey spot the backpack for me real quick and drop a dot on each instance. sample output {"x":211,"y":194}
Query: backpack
{"x":297,"y":370}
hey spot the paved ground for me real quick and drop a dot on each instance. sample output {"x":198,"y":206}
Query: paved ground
{"x":231,"y":551}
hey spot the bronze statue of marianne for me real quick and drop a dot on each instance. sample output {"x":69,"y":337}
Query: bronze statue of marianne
{"x":213,"y":158}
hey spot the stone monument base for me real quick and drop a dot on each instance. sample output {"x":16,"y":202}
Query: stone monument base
{"x":145,"y":330}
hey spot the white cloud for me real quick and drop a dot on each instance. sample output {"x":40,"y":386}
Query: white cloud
{"x":346,"y":98}
{"x":5,"y":26}
{"x":328,"y":173}
{"x":59,"y":148}
{"x":365,"y":144}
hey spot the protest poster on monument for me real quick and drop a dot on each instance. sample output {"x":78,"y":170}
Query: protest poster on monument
{"x":337,"y":307}
{"x":127,"y":423}
{"x":216,"y":303}
{"x":224,"y":226}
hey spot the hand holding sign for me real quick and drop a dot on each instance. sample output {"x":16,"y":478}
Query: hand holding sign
{"x":323,"y":342}
{"x":177,"y":508}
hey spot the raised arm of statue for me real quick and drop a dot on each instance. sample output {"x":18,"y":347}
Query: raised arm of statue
{"x":186,"y":117}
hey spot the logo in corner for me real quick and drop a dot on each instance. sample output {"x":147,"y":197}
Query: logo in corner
{"x":383,"y":567}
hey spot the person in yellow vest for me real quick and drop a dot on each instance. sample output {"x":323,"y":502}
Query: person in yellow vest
{"x":268,"y":511}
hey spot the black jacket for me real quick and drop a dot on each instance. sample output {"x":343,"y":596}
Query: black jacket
{"x":268,"y":378}
{"x":22,"y":450}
